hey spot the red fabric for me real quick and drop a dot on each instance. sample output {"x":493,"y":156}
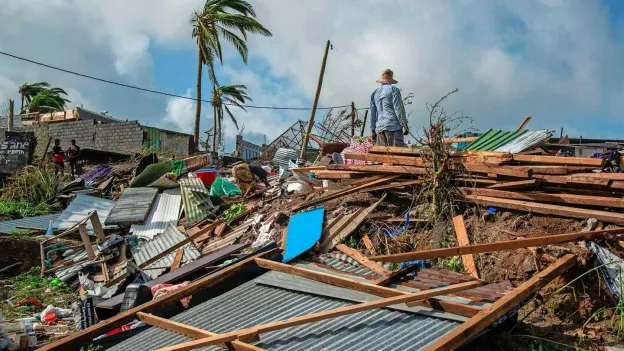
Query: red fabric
{"x":57,"y":158}
{"x":355,"y":146}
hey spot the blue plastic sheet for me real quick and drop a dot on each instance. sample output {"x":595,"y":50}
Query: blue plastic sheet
{"x":304,"y":230}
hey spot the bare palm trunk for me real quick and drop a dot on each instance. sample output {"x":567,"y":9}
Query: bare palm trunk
{"x":22,"y":109}
{"x":214,"y":128}
{"x":198,"y":102}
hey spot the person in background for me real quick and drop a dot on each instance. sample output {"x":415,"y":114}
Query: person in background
{"x":260,"y":173}
{"x":72,"y":154}
{"x":388,"y":120}
{"x":57,"y":157}
{"x":246,"y":176}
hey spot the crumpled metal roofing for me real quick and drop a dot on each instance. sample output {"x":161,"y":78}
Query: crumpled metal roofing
{"x":194,"y":193}
{"x":380,"y":329}
{"x":159,"y":244}
{"x":80,"y":208}
{"x":493,"y":139}
{"x":41,"y":222}
{"x":165,"y":209}
{"x":283,"y":156}
{"x":525,"y":141}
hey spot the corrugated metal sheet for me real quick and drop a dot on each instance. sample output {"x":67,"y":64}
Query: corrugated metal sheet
{"x":166,"y":208}
{"x":283,"y":156}
{"x":380,"y":329}
{"x":80,"y":208}
{"x":132,"y":207}
{"x":525,"y":141}
{"x":33,"y":222}
{"x":493,"y":139}
{"x":159,"y":244}
{"x":344,"y":263}
{"x":192,"y":188}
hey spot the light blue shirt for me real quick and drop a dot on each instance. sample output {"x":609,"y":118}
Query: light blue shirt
{"x":387,"y":110}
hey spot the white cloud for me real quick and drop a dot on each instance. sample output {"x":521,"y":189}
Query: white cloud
{"x":181,"y":112}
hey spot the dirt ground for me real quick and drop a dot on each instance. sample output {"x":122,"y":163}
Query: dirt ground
{"x":14,"y":250}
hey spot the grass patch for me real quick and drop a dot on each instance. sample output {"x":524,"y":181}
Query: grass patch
{"x":29,"y":193}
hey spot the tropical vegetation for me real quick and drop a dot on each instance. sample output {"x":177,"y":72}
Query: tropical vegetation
{"x":42,"y":97}
{"x":234,"y":95}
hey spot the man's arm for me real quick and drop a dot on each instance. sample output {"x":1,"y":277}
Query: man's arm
{"x":373,"y":113}
{"x":399,"y":108}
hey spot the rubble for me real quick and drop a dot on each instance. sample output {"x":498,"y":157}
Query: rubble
{"x":156,"y":241}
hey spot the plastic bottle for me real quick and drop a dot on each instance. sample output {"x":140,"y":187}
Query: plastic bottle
{"x":55,"y":282}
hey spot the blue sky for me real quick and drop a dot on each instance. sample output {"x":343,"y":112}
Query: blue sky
{"x":557,"y":60}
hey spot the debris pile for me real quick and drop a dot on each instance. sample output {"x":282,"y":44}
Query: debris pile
{"x":162,"y":255}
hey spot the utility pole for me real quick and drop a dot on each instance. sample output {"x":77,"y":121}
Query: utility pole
{"x":10,"y":121}
{"x":306,"y":137}
{"x":364,"y":124}
{"x":352,"y":119}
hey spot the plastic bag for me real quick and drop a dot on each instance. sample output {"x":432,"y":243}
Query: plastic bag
{"x":221,"y":187}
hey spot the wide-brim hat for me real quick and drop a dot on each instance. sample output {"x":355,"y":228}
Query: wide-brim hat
{"x":387,"y":77}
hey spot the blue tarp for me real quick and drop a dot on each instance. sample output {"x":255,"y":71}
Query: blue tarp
{"x":304,"y":230}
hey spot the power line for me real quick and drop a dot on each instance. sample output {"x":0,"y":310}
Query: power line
{"x":160,"y":92}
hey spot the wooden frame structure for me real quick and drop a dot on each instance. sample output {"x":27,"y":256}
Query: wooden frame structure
{"x":239,"y":340}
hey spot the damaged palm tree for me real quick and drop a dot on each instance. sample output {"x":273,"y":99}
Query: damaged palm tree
{"x":439,"y":190}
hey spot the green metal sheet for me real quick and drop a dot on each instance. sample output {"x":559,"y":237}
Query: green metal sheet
{"x":493,"y":139}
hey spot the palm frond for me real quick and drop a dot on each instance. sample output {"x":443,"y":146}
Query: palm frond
{"x":231,"y":116}
{"x":240,"y":6}
{"x":238,"y":43}
{"x":242,"y":23}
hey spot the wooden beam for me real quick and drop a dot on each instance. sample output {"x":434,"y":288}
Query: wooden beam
{"x":393,"y":276}
{"x":329,"y":174}
{"x":341,"y":193}
{"x":456,"y":337}
{"x":521,"y":184}
{"x":462,"y":240}
{"x":509,"y":171}
{"x":393,"y":185}
{"x":187,"y":330}
{"x":84,"y":235}
{"x":460,"y":140}
{"x":374,"y":289}
{"x":361,"y":259}
{"x":555,"y":160}
{"x":497,"y":246}
{"x":390,"y":159}
{"x":379,"y":169}
{"x":353,"y":221}
{"x":77,"y":339}
{"x":524,"y":123}
{"x":557,"y":210}
{"x":177,"y":260}
{"x":319,"y":316}
{"x":341,"y":185}
{"x":368,"y":243}
{"x":587,"y":200}
{"x":394,"y":150}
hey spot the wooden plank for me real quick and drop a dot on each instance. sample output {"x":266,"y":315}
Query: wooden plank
{"x":368,"y":243}
{"x":572,"y":199}
{"x":354,"y":221}
{"x":572,"y":161}
{"x":393,"y":276}
{"x":524,"y":123}
{"x":361,"y":259}
{"x":341,"y":193}
{"x":509,"y":171}
{"x":521,"y":184}
{"x":319,"y":316}
{"x":393,"y":185}
{"x":456,"y":337}
{"x":497,"y":246}
{"x":462,"y":240}
{"x":97,"y":226}
{"x":84,"y":235}
{"x":337,"y":175}
{"x":341,"y":185}
{"x":390,"y":159}
{"x":187,"y":330}
{"x":394,"y":150}
{"x":374,"y":289}
{"x":380,"y":169}
{"x":77,"y":339}
{"x":177,"y":260}
{"x":460,"y":140}
{"x":557,"y":210}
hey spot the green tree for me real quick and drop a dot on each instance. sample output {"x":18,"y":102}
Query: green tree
{"x":28,"y":91}
{"x":48,"y":100}
{"x":223,"y":96}
{"x":218,"y":19}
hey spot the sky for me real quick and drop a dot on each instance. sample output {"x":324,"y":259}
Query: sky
{"x":559,"y":61}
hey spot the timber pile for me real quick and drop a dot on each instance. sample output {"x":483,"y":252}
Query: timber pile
{"x":560,"y":186}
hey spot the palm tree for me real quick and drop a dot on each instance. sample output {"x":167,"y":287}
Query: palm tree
{"x":223,"y":96}
{"x":48,"y":100}
{"x":216,"y":20}
{"x":28,"y":91}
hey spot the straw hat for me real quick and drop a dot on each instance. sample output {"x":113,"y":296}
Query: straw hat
{"x":386,"y":77}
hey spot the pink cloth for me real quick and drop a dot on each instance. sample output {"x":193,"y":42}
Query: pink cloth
{"x":355,"y":146}
{"x":161,"y":290}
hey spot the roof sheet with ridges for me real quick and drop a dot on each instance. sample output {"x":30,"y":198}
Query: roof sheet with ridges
{"x":525,"y":141}
{"x":379,"y":329}
{"x":166,"y":208}
{"x":80,"y":207}
{"x":41,"y":222}
{"x":493,"y":139}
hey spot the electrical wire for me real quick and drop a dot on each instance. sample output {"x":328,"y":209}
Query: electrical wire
{"x":161,"y":92}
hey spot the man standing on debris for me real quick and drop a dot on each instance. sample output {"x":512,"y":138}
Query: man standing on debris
{"x":388,"y":120}
{"x":58,"y":158}
{"x":73,"y":153}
